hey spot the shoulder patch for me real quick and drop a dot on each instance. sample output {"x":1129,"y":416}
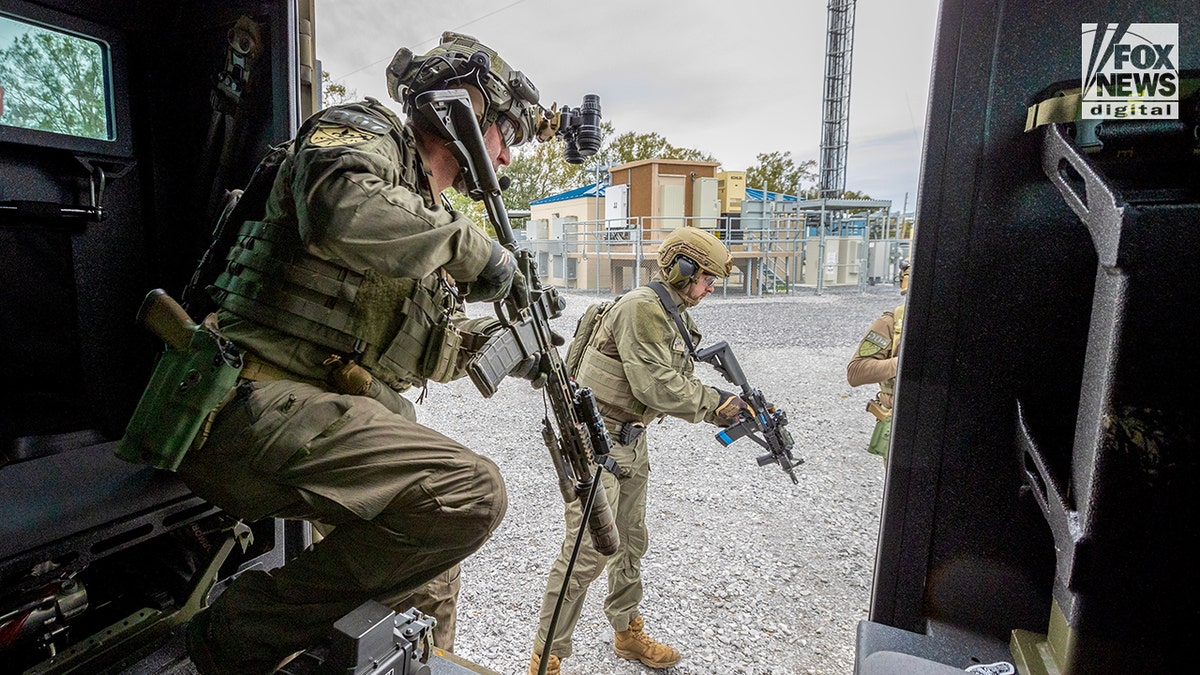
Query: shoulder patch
{"x":330,"y":136}
{"x":873,"y":343}
{"x":355,"y":120}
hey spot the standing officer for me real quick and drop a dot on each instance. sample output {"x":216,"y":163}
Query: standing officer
{"x":340,"y":297}
{"x":639,"y":368}
{"x":875,"y":362}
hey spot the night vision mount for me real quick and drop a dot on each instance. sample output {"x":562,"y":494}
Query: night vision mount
{"x":578,"y":127}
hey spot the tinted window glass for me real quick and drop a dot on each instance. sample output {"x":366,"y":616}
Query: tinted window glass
{"x":53,"y":81}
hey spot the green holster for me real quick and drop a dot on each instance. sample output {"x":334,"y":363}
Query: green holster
{"x":186,"y":386}
{"x":880,"y":438}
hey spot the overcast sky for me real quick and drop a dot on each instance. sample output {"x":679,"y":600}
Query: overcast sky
{"x":733,"y":78}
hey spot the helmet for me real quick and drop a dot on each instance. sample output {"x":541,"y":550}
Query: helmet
{"x":905,"y":271}
{"x":688,"y":250}
{"x":500,"y":94}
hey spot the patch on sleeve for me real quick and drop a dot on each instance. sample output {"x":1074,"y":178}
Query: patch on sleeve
{"x":355,"y":120}
{"x":331,"y":136}
{"x":873,"y":343}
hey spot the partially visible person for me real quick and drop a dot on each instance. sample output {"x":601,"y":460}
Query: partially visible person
{"x":875,"y":362}
{"x":639,"y":366}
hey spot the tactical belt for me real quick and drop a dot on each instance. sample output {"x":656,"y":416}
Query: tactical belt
{"x":257,"y":370}
{"x":625,"y":433}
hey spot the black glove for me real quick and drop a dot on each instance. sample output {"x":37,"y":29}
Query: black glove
{"x":520,"y":288}
{"x":495,"y":279}
{"x":528,"y":370}
{"x":729,"y":410}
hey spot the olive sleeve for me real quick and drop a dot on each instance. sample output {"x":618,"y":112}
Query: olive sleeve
{"x":351,"y":208}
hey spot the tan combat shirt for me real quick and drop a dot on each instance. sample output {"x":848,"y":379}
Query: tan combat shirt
{"x":640,"y":368}
{"x":876,"y":357}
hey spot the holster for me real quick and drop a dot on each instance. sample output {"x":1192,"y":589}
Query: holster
{"x":629,"y":433}
{"x":186,"y":386}
{"x":879,"y":411}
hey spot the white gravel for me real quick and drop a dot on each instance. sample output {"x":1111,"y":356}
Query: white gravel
{"x":746,"y":572}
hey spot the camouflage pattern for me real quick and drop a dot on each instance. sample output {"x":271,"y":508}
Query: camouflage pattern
{"x":639,"y":369}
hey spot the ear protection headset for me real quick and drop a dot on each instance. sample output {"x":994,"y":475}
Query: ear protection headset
{"x":682,"y":271}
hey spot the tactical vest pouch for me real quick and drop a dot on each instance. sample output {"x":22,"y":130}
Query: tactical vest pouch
{"x":427,"y":343}
{"x":441,"y":353}
{"x":187,"y":385}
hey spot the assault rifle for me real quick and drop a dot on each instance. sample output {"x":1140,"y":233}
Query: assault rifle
{"x":763,"y":423}
{"x":578,"y":441}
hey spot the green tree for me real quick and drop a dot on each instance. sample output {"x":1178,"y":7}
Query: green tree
{"x":541,"y":170}
{"x":778,"y":172}
{"x":632,"y":147}
{"x":335,"y":93}
{"x":471,"y":209}
{"x":54,"y":82}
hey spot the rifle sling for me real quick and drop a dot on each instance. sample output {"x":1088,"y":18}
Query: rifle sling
{"x":669,"y":305}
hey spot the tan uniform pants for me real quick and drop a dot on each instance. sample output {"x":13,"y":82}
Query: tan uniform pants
{"x":407,"y":504}
{"x":627,"y":498}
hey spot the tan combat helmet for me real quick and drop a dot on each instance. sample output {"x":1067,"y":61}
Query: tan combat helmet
{"x":688,"y":250}
{"x":500,"y":94}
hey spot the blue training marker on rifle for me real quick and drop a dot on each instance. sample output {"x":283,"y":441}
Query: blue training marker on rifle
{"x":724,"y":438}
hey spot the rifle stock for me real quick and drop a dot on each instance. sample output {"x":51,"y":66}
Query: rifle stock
{"x":766,"y":425}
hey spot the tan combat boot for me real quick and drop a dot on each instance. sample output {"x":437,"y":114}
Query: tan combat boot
{"x":635,"y":644}
{"x":552,"y":664}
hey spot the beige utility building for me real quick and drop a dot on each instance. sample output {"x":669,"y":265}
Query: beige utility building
{"x":606,"y":238}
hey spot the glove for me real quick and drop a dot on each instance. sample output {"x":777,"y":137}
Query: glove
{"x":729,"y":410}
{"x":520,"y":288}
{"x":528,"y":370}
{"x":495,"y":280}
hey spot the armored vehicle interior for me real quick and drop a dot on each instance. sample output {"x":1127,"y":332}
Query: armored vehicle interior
{"x":123,"y":123}
{"x":1040,"y":492}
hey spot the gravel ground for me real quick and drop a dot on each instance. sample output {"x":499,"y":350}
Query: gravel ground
{"x":746,"y":572}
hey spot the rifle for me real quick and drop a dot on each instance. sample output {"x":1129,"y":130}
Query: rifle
{"x":578,"y":441}
{"x":762,"y":419}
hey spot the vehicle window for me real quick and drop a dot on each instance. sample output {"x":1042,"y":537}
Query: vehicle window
{"x":54,"y":81}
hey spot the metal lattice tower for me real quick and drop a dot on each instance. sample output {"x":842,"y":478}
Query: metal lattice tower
{"x":835,"y":127}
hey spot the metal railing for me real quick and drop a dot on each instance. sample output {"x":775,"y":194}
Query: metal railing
{"x":779,"y":254}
